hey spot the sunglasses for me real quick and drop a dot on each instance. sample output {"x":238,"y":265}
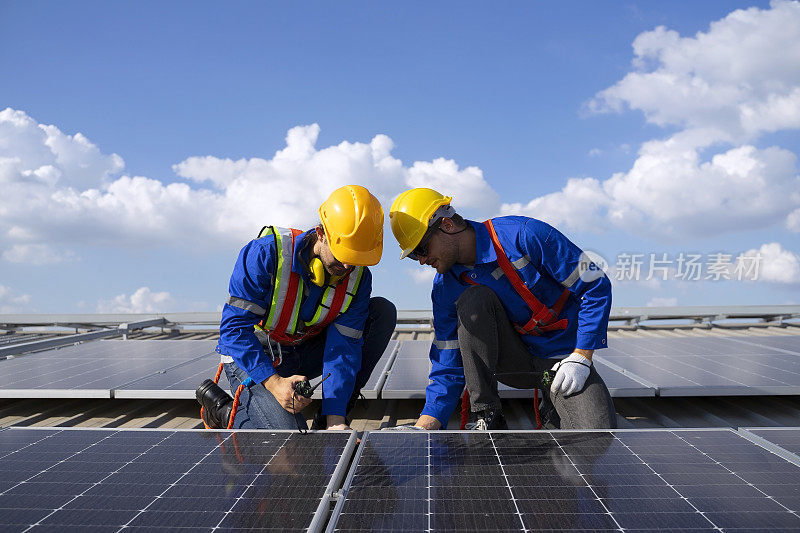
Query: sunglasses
{"x":421,"y":249}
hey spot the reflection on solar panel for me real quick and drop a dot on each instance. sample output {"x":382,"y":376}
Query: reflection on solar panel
{"x":786,"y":438}
{"x":162,"y":480}
{"x":567,"y":481}
{"x":93,"y":369}
{"x":408,"y":377}
{"x":706,"y":366}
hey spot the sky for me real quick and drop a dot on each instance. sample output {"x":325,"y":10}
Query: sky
{"x":143,"y":144}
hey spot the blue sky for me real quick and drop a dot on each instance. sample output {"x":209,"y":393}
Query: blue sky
{"x":680,"y":139}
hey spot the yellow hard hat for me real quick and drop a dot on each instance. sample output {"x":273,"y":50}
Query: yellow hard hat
{"x":353,"y":222}
{"x":411,"y":213}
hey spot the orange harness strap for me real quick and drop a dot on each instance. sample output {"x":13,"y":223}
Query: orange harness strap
{"x":542,"y":319}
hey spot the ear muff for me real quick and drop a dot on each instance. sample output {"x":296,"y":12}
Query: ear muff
{"x":317,"y":273}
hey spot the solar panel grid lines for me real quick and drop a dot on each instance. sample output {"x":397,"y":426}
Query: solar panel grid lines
{"x":508,"y":484}
{"x":144,"y":509}
{"x":157,"y":480}
{"x":619,"y":480}
{"x":44,"y":518}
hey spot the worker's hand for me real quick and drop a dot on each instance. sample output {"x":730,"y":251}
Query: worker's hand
{"x":571,"y":374}
{"x":283,"y":391}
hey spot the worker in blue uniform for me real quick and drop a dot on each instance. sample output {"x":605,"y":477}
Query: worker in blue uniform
{"x":300,"y":307}
{"x":512,"y":299}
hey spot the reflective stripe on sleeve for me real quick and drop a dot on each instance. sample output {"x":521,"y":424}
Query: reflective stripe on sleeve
{"x":349,"y":332}
{"x":521,"y":263}
{"x":446,"y":345}
{"x":246,"y":305}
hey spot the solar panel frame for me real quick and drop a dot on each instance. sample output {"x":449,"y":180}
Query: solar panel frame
{"x":669,"y":492}
{"x":372,"y":388}
{"x":155,"y":466}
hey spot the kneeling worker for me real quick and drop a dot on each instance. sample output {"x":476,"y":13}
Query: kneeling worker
{"x":299,"y":307}
{"x":511,"y":297}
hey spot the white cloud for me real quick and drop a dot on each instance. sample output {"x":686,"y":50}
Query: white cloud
{"x":662,"y":302}
{"x":36,"y":254}
{"x":793,"y":221}
{"x":594,"y":152}
{"x":730,"y":84}
{"x":776,"y":264}
{"x":738,"y":79}
{"x":577,"y":206}
{"x":60,"y":190}
{"x":11,"y":302}
{"x":141,"y":301}
{"x":422,"y":275}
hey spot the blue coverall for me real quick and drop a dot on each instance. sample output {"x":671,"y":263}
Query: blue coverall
{"x":554,"y":263}
{"x":253,"y":281}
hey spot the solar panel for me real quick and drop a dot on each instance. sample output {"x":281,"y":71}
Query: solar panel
{"x":703,"y":366}
{"x":669,"y":346}
{"x":181,"y":381}
{"x":160,"y":480}
{"x":790,"y":343}
{"x":93,"y":369}
{"x":564,"y":480}
{"x":787,"y":439}
{"x":408,"y":377}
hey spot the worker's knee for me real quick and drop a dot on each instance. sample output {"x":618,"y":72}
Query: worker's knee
{"x":475,"y":303}
{"x":383,"y":311}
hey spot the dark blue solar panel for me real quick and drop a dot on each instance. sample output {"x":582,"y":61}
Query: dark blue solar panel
{"x":61,"y":479}
{"x":599,"y":481}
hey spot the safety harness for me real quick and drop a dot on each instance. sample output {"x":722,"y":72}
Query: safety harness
{"x":281,"y":323}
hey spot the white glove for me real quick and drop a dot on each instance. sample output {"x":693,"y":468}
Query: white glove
{"x":571,"y":374}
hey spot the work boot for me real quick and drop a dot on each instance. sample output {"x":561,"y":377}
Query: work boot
{"x":489,"y":420}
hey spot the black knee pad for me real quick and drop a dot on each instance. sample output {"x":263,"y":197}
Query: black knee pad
{"x":383,"y":309}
